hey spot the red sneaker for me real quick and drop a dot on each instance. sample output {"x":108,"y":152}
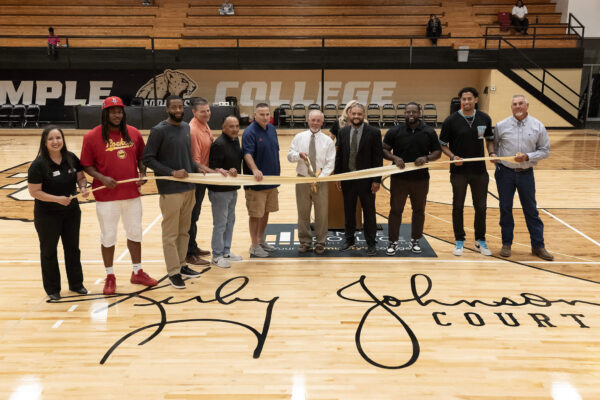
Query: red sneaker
{"x":143,"y":278}
{"x":110,"y":285}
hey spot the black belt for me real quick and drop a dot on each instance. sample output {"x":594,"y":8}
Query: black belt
{"x":518,"y":169}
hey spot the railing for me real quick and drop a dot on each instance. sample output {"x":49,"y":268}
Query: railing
{"x":574,"y":28}
{"x":545,"y":73}
{"x":537,"y":34}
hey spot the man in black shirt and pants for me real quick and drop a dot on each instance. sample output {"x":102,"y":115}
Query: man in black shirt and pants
{"x":463,"y":134}
{"x":415,"y":142}
{"x":359,"y":147}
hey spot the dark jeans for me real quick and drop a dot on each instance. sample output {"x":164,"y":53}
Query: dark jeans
{"x":507,"y":180}
{"x":351,"y":191}
{"x":479,"y":187}
{"x":51,"y":226}
{"x":520,"y":25}
{"x":400,"y":189}
{"x":52,"y":50}
{"x":192,"y":245}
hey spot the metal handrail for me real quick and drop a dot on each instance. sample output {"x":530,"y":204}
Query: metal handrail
{"x":570,"y":26}
{"x":536,"y":36}
{"x":545,"y":72}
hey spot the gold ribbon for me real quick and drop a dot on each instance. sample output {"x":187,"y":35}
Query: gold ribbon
{"x":248,"y":180}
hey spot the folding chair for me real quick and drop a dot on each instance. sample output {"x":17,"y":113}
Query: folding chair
{"x":299,"y":114}
{"x":32,"y":115}
{"x":430,"y":115}
{"x":374,"y":114}
{"x":285,"y":112}
{"x":5,"y":111}
{"x":388,"y":114}
{"x":330,"y":113}
{"x":17,"y":115}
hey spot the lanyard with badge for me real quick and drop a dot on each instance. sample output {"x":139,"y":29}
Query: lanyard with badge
{"x":480,"y":128}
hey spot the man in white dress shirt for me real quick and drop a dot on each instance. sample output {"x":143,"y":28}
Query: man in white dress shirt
{"x":527,"y":138}
{"x":317,"y":148}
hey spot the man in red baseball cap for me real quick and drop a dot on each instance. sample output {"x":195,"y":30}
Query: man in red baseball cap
{"x":112,"y":152}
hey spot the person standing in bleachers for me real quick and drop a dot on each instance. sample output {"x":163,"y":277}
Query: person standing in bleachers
{"x":434,"y":29}
{"x":519,"y":17}
{"x":53,"y":43}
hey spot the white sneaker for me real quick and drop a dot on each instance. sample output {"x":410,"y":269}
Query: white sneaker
{"x":258,"y":251}
{"x":458,"y":250}
{"x":233,"y":257}
{"x":481,"y":245}
{"x":221,"y":262}
{"x":267,"y":247}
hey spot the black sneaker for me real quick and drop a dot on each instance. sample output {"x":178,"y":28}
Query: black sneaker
{"x":177,"y":282}
{"x":187,"y":272}
{"x":372,"y":250}
{"x":347,"y":246}
{"x":392,"y":249}
{"x":414,"y":246}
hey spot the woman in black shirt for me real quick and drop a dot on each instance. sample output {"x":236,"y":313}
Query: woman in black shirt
{"x":51,"y":179}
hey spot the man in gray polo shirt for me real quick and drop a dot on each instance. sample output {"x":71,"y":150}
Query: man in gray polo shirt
{"x":527,"y":138}
{"x":168,"y":153}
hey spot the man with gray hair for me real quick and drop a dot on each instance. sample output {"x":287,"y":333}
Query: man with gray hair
{"x":527,"y":138}
{"x":315,"y":149}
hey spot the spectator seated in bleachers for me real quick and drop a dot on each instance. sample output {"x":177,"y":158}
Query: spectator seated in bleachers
{"x":226,"y":8}
{"x":53,"y":43}
{"x":519,"y":17}
{"x":434,"y":29}
{"x":146,"y":2}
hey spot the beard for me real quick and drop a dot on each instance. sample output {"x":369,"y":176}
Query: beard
{"x":176,"y":118}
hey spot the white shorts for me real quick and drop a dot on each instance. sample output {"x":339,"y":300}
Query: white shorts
{"x":109,"y":213}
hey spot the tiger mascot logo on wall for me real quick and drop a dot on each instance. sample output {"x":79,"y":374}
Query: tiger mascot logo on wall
{"x":170,"y":82}
{"x":17,"y":204}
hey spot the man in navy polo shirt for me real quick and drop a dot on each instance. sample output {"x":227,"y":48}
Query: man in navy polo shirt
{"x":260,"y":149}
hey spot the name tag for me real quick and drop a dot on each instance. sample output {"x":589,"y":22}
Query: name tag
{"x":56,"y":173}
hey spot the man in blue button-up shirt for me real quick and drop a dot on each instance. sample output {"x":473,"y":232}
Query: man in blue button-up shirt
{"x":527,"y":138}
{"x":260,"y":149}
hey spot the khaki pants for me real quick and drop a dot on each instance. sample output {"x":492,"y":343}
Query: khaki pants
{"x":305,"y":197}
{"x":176,"y":211}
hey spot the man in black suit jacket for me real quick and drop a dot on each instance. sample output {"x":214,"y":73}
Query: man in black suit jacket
{"x":359,"y":147}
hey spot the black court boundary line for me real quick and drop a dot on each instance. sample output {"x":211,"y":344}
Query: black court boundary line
{"x":502,"y":258}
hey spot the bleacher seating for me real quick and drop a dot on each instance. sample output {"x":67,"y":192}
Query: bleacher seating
{"x":183,"y":20}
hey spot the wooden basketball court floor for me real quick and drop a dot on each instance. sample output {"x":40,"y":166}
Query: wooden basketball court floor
{"x":469,"y":327}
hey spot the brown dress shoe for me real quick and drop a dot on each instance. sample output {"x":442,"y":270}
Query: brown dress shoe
{"x":196,"y":260}
{"x":543,"y":254}
{"x":319,"y":248}
{"x":304,"y":247}
{"x":202,"y":253}
{"x":505,"y":251}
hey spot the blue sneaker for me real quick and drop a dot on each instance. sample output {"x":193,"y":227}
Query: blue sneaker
{"x":459,"y":248}
{"x":481,"y":245}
